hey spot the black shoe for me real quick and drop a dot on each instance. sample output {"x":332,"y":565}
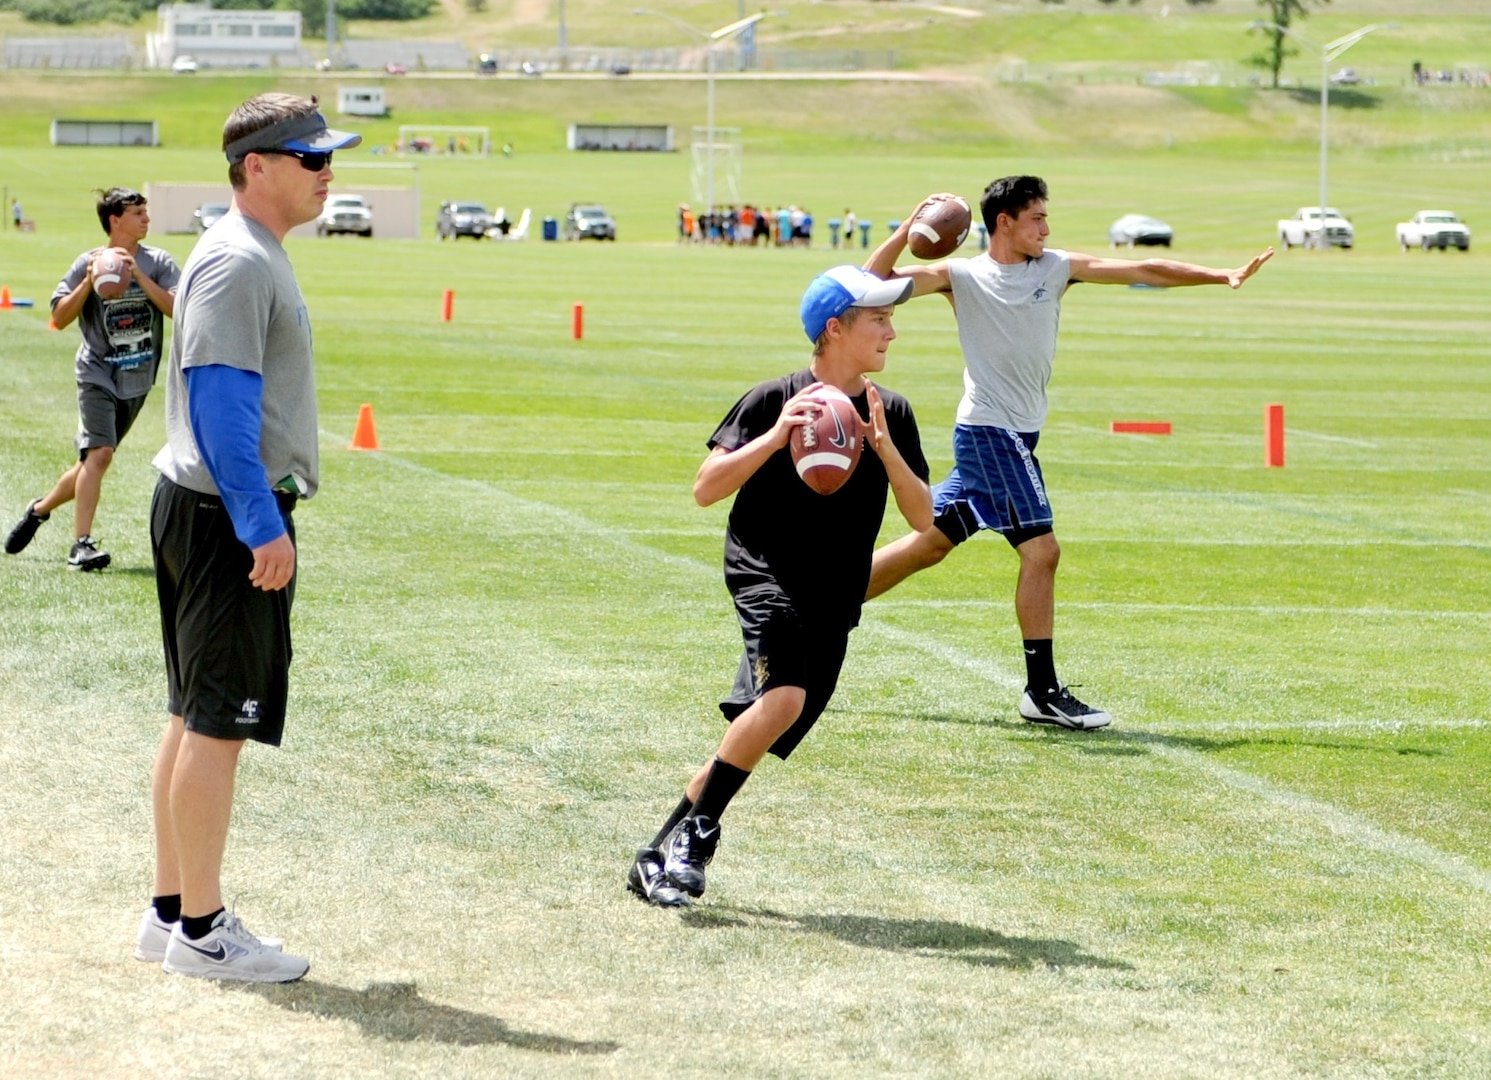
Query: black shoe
{"x":86,"y":556}
{"x":689,"y":848}
{"x":1063,"y":710}
{"x":25,"y":529}
{"x":647,"y":879}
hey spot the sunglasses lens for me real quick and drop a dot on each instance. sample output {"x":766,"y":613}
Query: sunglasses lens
{"x":314,"y":162}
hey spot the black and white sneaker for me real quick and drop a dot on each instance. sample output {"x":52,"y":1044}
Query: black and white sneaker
{"x":687,"y":852}
{"x":25,"y":529}
{"x":649,"y":881}
{"x":1063,"y":710}
{"x":86,"y":556}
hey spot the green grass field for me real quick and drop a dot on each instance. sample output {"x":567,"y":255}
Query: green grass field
{"x":511,"y":632}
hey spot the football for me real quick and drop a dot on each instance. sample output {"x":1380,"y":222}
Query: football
{"x":111,"y":274}
{"x":939,"y":228}
{"x":826,"y":451}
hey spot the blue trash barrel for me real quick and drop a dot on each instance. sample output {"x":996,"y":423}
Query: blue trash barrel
{"x":551,"y":229}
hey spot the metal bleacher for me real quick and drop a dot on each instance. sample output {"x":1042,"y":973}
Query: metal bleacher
{"x":69,"y":52}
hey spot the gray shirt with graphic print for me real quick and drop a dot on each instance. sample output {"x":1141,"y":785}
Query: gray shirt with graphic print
{"x":1008,"y":315}
{"x":122,"y":339}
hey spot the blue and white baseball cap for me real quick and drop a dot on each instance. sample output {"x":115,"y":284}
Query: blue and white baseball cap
{"x":835,"y":291}
{"x":306,"y":134}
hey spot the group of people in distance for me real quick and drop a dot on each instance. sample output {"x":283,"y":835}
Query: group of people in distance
{"x":241,"y":452}
{"x":746,"y":226}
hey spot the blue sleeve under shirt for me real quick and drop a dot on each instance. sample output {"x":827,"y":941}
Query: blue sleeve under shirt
{"x":226,"y":408}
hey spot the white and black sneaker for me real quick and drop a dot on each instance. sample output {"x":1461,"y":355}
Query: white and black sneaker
{"x":230,"y":953}
{"x":155,"y":934}
{"x":25,"y":529}
{"x":86,"y":556}
{"x":1063,"y":710}
{"x":687,"y":851}
{"x":649,"y":881}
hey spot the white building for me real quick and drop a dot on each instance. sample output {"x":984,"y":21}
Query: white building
{"x":217,"y":38}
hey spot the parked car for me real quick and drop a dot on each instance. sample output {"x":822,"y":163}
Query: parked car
{"x":395,"y":69}
{"x":530,"y":68}
{"x":486,"y":64}
{"x":184,"y":65}
{"x":205,"y":215}
{"x":345,"y":214}
{"x":462,"y":219}
{"x":1346,"y":77}
{"x":1132,"y":229}
{"x":1434,"y":228}
{"x":1309,"y":228}
{"x":589,"y":220}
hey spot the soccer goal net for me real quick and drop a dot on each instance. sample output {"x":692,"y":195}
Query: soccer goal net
{"x":719,"y":149}
{"x":444,"y":139}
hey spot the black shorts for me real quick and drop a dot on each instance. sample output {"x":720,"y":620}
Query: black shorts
{"x":227,"y":643}
{"x":780,"y":650}
{"x":103,"y":419}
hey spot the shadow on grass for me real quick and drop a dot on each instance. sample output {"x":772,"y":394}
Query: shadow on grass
{"x":396,"y":1012}
{"x":921,"y":937}
{"x":1341,"y":97}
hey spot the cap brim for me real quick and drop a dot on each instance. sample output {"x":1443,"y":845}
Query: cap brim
{"x":887,"y":293}
{"x":323,"y":141}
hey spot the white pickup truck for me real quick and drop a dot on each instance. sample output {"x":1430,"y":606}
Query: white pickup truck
{"x":1434,"y":228}
{"x":1304,"y":229}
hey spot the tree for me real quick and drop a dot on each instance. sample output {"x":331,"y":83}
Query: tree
{"x":1281,"y":13}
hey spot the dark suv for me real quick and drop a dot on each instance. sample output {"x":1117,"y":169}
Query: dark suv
{"x":589,"y":220}
{"x":462,"y":219}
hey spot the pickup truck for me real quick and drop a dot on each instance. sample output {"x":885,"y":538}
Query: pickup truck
{"x":1434,"y":228}
{"x":1303,"y":229}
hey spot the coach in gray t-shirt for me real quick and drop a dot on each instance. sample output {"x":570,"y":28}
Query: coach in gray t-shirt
{"x":240,"y":451}
{"x":1007,"y":302}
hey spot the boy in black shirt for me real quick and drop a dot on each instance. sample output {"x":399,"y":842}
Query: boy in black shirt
{"x":796,"y":598}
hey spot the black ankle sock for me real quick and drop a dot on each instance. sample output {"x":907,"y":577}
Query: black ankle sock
{"x":1040,"y":668}
{"x":720,"y":786}
{"x":198,"y":927}
{"x":680,"y":812}
{"x":167,"y":908}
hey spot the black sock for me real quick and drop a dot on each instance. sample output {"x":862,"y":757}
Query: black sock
{"x":720,"y":786}
{"x":680,"y":812}
{"x":1040,"y":669}
{"x":197,"y":927}
{"x":167,"y":908}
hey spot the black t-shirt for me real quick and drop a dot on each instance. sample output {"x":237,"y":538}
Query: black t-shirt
{"x":816,"y":548}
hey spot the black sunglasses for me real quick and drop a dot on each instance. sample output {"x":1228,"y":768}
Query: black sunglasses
{"x":310,"y":160}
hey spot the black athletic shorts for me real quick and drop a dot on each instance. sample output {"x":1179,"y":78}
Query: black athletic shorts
{"x":780,"y":650}
{"x":227,"y":643}
{"x":103,"y":419}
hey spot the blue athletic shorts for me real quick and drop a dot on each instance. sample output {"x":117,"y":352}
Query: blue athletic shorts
{"x":996,"y":484}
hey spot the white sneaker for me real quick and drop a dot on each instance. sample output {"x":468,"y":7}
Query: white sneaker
{"x":229,"y":952}
{"x":1064,"y":710}
{"x":155,"y":935}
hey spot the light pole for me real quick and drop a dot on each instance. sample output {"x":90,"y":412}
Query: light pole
{"x":1328,"y":53}
{"x":713,"y":37}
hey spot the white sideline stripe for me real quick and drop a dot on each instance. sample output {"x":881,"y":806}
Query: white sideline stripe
{"x":1331,"y":438}
{"x":1336,"y":820}
{"x":1354,"y":726}
{"x":1198,"y":609}
{"x":1341,"y":822}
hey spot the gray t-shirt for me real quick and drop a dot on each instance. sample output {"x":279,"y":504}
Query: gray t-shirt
{"x":123,"y":338}
{"x":1008,"y":314}
{"x":239,"y":305}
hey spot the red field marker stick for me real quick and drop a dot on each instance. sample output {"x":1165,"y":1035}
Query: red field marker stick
{"x":578,"y":327}
{"x":1273,"y":436}
{"x":447,"y":305}
{"x":1140,"y":427}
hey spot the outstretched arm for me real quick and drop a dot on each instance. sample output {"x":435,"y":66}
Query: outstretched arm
{"x":1162,"y":272}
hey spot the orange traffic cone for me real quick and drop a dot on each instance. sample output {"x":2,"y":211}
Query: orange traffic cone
{"x":5,"y":296}
{"x":364,"y":436}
